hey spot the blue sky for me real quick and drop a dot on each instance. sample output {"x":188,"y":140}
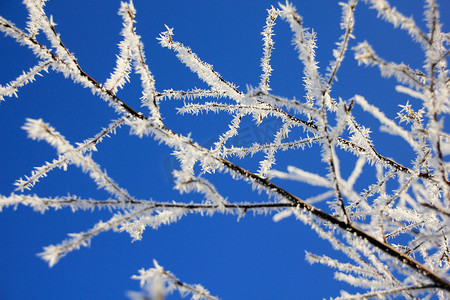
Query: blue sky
{"x":253,"y":258}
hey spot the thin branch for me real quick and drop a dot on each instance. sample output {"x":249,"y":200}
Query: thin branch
{"x":142,"y":125}
{"x":63,"y":160}
{"x":11,"y":88}
{"x":396,"y":290}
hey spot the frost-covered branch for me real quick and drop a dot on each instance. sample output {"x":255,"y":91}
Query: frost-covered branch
{"x":10,"y":89}
{"x":62,"y":161}
{"x":52,"y":254}
{"x":364,"y":54}
{"x":347,"y":23}
{"x":397,"y":19}
{"x":159,"y":282}
{"x":268,"y":48}
{"x":39,"y":130}
{"x":394,"y":228}
{"x":204,"y":70}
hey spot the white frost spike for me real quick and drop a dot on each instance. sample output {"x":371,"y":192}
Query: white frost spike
{"x":159,"y":282}
{"x":304,"y":42}
{"x":347,"y":23}
{"x":36,"y":9}
{"x":204,"y":70}
{"x":33,"y":25}
{"x":39,"y":130}
{"x":282,"y":215}
{"x":357,"y":170}
{"x":136,"y":50}
{"x":136,"y":226}
{"x":365,"y":55}
{"x":407,"y":91}
{"x":233,"y":131}
{"x":268,"y":47}
{"x":392,"y":127}
{"x":42,"y":204}
{"x":63,"y":159}
{"x":295,"y":173}
{"x":266,"y":164}
{"x":10,"y":89}
{"x":393,"y":16}
{"x":408,"y":205}
{"x":52,"y":254}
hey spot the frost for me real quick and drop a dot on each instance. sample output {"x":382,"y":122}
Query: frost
{"x":158,"y":282}
{"x":390,"y":220}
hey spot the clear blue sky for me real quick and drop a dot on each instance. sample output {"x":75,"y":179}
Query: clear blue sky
{"x":254,"y":258}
